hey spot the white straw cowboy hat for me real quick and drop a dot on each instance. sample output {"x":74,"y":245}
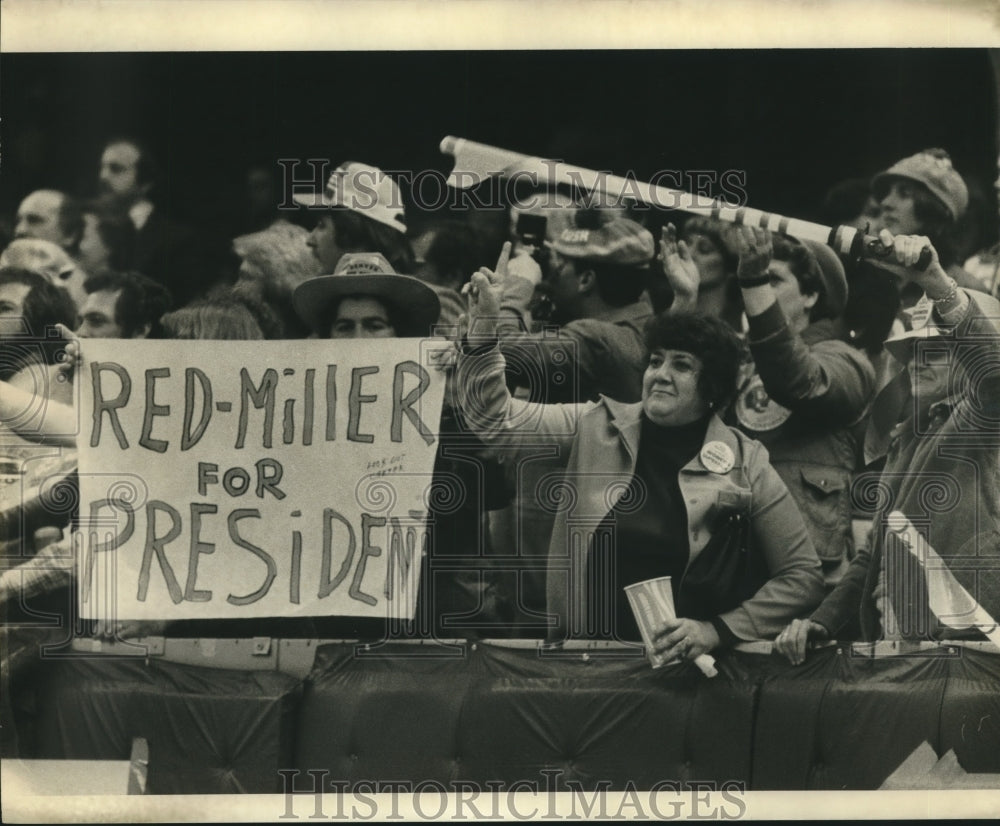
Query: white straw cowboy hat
{"x":368,"y":274}
{"x":925,"y":327}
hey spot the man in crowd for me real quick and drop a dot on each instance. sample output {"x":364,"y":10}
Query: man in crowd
{"x":930,"y":570}
{"x":165,"y":250}
{"x":122,"y":305}
{"x":596,"y":276}
{"x":809,"y":388}
{"x":51,"y":216}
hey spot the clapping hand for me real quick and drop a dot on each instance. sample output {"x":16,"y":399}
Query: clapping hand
{"x":679,"y":268}
{"x":755,"y":249}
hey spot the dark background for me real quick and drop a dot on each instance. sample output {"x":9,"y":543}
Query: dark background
{"x":795,"y":121}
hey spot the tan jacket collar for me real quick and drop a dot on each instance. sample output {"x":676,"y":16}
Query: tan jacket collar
{"x":627,"y":420}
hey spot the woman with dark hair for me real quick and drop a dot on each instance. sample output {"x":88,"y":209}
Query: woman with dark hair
{"x":445,"y":252}
{"x":30,"y":308}
{"x":32,"y":398}
{"x":363,"y":213}
{"x":849,"y":203}
{"x":357,"y":233}
{"x":924,"y":195}
{"x":657,"y":488}
{"x":807,"y":389}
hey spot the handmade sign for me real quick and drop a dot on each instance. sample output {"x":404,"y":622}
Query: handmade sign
{"x":220,"y":479}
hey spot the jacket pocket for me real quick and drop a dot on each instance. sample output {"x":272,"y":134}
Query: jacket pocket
{"x":824,"y":499}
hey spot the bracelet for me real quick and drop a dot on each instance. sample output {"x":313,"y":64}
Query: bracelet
{"x":757,"y":281}
{"x":951,"y":295}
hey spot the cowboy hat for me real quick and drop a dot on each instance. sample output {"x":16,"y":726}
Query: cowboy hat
{"x":368,"y":274}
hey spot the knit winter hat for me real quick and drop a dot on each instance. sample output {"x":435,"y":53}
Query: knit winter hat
{"x":933,"y":169}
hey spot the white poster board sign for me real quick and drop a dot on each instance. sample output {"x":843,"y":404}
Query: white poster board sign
{"x":282,"y":479}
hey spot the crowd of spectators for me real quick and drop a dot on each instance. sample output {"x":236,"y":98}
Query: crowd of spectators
{"x":733,"y":386}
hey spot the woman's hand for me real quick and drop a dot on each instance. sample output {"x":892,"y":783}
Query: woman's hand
{"x":685,"y":639}
{"x":483,"y":294}
{"x":906,"y":250}
{"x":679,"y":268}
{"x":71,"y":359}
{"x":754,"y":248}
{"x":794,"y":640}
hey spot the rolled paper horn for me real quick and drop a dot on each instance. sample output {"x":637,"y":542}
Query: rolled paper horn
{"x":475,"y":162}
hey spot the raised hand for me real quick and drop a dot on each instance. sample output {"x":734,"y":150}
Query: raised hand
{"x":754,"y":247}
{"x":71,"y":359}
{"x":483,"y":294}
{"x":679,"y":268}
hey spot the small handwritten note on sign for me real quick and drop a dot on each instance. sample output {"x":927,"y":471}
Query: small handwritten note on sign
{"x":223,"y":479}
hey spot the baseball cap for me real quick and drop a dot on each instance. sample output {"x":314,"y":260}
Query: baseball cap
{"x":621,"y":241}
{"x":368,"y":274}
{"x":360,"y":188}
{"x":933,"y":169}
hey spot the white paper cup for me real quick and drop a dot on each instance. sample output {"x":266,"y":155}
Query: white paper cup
{"x":652,"y":602}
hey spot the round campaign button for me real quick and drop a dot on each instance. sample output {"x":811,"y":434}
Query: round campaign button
{"x":717,"y":457}
{"x":756,"y":411}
